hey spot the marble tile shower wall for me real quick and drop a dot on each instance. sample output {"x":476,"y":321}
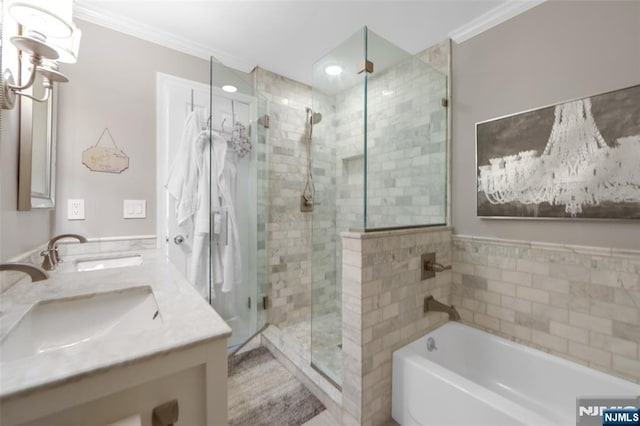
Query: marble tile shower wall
{"x":326,"y":240}
{"x":337,"y":169}
{"x":581,"y":303}
{"x":406,"y":147}
{"x":288,"y":230}
{"x":382,"y":311}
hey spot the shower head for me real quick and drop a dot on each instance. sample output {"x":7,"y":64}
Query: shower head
{"x":314,"y":117}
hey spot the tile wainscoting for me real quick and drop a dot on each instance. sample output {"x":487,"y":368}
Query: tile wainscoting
{"x":580,"y":303}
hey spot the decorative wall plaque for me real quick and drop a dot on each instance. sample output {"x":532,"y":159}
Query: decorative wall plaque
{"x":105,"y":159}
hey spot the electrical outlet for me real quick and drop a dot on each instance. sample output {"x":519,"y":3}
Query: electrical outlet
{"x":75,"y":209}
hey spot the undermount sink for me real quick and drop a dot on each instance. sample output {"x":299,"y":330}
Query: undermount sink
{"x":62,"y":323}
{"x":108,"y":262}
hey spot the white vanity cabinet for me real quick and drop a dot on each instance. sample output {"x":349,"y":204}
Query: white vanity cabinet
{"x":128,"y":360}
{"x":196,"y":377}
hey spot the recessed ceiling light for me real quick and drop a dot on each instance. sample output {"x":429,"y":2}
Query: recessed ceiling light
{"x":333,"y":70}
{"x":387,"y":92}
{"x":229,"y":88}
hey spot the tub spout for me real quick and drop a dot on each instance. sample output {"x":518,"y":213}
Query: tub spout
{"x":432,"y":305}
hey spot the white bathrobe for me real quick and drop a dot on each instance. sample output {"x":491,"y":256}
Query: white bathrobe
{"x":204,"y":192}
{"x":188,"y":183}
{"x":224,"y":171}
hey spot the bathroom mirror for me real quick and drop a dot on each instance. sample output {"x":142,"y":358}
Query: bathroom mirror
{"x":36,"y":180}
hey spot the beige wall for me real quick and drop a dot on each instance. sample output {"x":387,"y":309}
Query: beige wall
{"x":113,"y":85}
{"x":19,"y":231}
{"x":555,"y":52}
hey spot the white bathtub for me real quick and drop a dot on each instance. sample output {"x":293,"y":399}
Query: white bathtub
{"x":476,"y":378}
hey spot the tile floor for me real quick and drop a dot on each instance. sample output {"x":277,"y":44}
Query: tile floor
{"x":324,"y":349}
{"x":323,"y":419}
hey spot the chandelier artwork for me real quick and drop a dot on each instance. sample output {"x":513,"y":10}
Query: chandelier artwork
{"x":577,"y":168}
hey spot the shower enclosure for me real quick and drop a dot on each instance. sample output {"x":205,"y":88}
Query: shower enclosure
{"x":379,"y":161}
{"x":374,"y":124}
{"x":221,"y":245}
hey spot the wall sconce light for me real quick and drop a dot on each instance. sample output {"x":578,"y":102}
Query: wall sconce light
{"x":50,"y":36}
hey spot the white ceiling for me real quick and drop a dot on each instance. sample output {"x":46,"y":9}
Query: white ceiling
{"x":287,"y":37}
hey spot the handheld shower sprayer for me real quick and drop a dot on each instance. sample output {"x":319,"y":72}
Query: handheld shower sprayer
{"x":306,"y":200}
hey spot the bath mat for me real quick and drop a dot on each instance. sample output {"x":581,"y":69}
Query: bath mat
{"x":263,"y":392}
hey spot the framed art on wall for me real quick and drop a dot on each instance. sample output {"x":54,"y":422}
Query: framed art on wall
{"x":577,"y":159}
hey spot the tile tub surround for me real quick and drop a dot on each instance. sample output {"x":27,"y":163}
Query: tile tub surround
{"x":580,"y":303}
{"x":382,"y":311}
{"x":187,"y":320}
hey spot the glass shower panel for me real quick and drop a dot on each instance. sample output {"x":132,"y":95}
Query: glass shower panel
{"x":379,"y":162}
{"x":239,"y":201}
{"x":405,"y":140}
{"x":337,"y":152}
{"x":262,"y":203}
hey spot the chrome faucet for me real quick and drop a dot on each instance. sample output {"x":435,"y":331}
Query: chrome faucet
{"x":51,"y":254}
{"x":35,"y":272}
{"x":432,"y":305}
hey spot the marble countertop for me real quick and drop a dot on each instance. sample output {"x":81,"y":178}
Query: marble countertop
{"x":187,"y":319}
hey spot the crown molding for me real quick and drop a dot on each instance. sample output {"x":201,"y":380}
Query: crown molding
{"x":103,"y":18}
{"x":490,"y":19}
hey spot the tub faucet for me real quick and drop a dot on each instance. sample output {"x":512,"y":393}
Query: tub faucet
{"x":432,"y":305}
{"x":51,"y":254}
{"x":35,"y":272}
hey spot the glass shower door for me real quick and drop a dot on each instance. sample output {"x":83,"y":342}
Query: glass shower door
{"x":239,"y":200}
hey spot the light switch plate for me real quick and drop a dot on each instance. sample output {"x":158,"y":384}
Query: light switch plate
{"x":75,"y":209}
{"x":135,"y":209}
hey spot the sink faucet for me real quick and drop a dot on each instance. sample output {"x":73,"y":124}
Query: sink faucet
{"x":432,"y":305}
{"x":35,"y":272}
{"x":51,"y":255}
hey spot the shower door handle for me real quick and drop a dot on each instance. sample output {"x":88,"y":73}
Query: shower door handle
{"x":178,"y":239}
